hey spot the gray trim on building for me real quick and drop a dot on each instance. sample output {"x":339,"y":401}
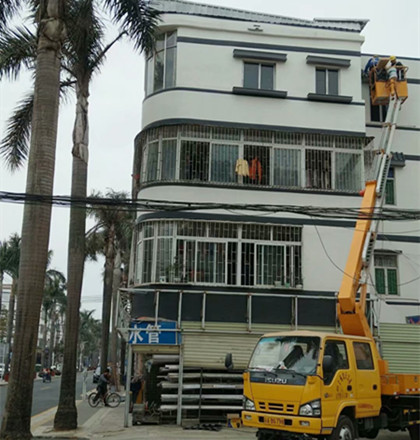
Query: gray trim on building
{"x":259,"y":92}
{"x":398,"y":127}
{"x":180,"y":121}
{"x":326,"y":61}
{"x":226,"y":92}
{"x":233,"y":43}
{"x":185,"y":215}
{"x":330,"y":98}
{"x":257,"y":55}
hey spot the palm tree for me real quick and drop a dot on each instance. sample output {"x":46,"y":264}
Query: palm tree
{"x":89,"y":336}
{"x":110,"y":236}
{"x":36,"y":217}
{"x":54,"y":295}
{"x":12,"y":269}
{"x":139,"y":22}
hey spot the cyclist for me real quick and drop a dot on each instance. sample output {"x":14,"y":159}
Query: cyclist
{"x":102,"y":388}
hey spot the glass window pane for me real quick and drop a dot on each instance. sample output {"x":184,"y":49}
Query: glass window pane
{"x":149,"y":76}
{"x":170,"y":67}
{"x":251,"y":75}
{"x":392,"y":282}
{"x":267,"y":77}
{"x":270,"y":266}
{"x":223,"y":162}
{"x":363,"y":356}
{"x":158,"y":71}
{"x":333,"y":82}
{"x":318,"y":169}
{"x":194,"y":161}
{"x":171,"y":39}
{"x":168,"y":159}
{"x":287,"y":166}
{"x":348,"y":170}
{"x":164,"y":272}
{"x":389,"y":192}
{"x":320,"y":81}
{"x":380,"y":280}
{"x":147,"y":261}
{"x":152,"y":161}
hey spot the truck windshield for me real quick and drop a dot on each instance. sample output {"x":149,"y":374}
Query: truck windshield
{"x":297,"y":353}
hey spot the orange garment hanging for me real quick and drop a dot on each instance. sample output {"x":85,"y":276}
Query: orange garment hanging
{"x":255,"y":170}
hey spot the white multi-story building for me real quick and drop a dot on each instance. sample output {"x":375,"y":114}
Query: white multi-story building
{"x":244,"y":108}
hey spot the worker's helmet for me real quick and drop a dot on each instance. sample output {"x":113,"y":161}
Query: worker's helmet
{"x":392,"y":58}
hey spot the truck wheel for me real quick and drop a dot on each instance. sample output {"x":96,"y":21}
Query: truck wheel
{"x":373,"y":433}
{"x":344,"y":430}
{"x":414,"y":431}
{"x":266,"y":434}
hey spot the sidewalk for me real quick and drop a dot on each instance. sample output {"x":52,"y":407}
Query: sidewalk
{"x":108,"y":423}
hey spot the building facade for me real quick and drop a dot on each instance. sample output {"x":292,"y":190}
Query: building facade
{"x":245,"y":108}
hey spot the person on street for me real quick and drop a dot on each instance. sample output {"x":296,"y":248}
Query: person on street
{"x":102,"y":388}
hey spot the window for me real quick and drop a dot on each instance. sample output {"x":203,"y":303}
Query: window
{"x":201,"y":252}
{"x":390,"y":187}
{"x":326,"y":81}
{"x":363,"y":355}
{"x":337,"y":350}
{"x":259,"y":76}
{"x":233,"y":157}
{"x":161,"y":65}
{"x":378,"y":112}
{"x":386,"y":275}
{"x":348,"y":169}
{"x":318,"y":169}
{"x":194,"y":161}
{"x":223,"y":162}
{"x":287,"y":166}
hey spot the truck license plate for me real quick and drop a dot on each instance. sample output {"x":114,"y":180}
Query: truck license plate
{"x":274,"y":420}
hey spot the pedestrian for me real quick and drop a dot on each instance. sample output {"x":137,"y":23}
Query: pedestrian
{"x":102,"y":388}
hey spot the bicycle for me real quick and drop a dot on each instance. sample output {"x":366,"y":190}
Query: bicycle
{"x":112,"y":399}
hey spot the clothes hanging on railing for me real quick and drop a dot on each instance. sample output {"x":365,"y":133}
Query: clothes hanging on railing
{"x":255,"y":171}
{"x":242,"y":167}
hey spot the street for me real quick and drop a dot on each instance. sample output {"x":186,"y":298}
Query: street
{"x":45,"y":395}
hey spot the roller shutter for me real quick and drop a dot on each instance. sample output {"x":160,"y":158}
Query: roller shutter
{"x":208,"y":349}
{"x":401,"y":347}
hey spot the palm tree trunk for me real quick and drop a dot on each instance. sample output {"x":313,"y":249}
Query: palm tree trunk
{"x":10,"y":319}
{"x":53,"y":319}
{"x":66,"y":416}
{"x":36,"y":221}
{"x":44,"y":339}
{"x":115,"y":286}
{"x":107,"y":296}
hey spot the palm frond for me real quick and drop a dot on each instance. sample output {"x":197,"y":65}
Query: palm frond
{"x":8,"y":8}
{"x":15,"y":145}
{"x":17,"y":50}
{"x":85,"y":34}
{"x":138,"y":19}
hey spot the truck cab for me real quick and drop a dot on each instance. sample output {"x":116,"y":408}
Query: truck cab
{"x":313,"y":383}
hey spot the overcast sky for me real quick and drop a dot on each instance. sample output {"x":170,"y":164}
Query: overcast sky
{"x":115,"y":111}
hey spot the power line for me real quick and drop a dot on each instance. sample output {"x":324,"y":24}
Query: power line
{"x":128,"y":204}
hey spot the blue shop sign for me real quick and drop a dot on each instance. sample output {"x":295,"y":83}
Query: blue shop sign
{"x":152,"y":333}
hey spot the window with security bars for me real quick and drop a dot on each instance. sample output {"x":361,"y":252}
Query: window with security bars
{"x":390,"y":187}
{"x":318,"y":166}
{"x":253,"y":157}
{"x":220,"y":253}
{"x":386,"y":274}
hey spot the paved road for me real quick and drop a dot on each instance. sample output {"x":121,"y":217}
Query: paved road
{"x":45,"y":395}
